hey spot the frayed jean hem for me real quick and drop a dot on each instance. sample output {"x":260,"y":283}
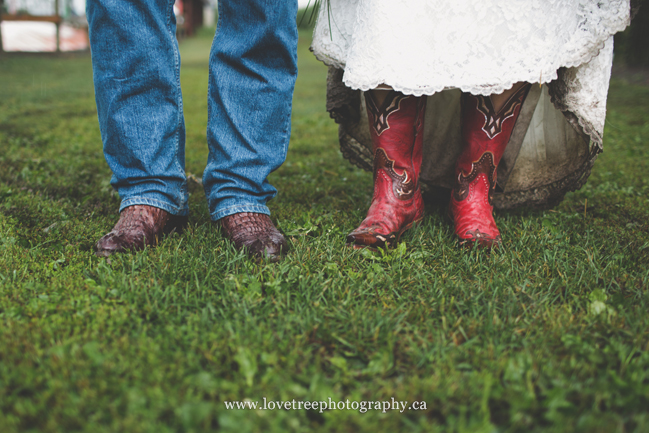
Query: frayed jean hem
{"x":174,"y":210}
{"x":231,"y":210}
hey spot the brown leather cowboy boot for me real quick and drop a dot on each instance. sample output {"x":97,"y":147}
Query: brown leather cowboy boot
{"x":138,"y":226}
{"x":486,"y":134}
{"x":255,"y":233}
{"x":397,"y":136}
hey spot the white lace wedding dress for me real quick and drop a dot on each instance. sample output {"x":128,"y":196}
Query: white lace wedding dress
{"x":428,"y":47}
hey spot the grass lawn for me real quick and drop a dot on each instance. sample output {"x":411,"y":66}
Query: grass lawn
{"x":550,"y":333}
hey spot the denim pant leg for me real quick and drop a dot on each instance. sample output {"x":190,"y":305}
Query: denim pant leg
{"x":253,"y":67}
{"x":136,"y":71}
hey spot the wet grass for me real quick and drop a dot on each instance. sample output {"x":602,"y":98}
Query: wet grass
{"x":548,"y":334}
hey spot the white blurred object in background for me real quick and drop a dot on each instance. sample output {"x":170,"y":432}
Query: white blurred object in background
{"x":41,"y":37}
{"x":34,"y":36}
{"x":19,"y":33}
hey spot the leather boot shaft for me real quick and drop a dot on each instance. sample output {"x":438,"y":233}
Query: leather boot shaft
{"x":396,"y":128}
{"x":486,"y":130}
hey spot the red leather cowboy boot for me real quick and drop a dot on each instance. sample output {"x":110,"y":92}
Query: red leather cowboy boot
{"x":397,"y":136}
{"x":485,"y":133}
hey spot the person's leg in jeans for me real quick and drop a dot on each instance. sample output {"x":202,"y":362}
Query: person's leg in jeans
{"x":253,"y":67}
{"x":136,"y":68}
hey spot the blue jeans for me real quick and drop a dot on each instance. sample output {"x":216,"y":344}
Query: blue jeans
{"x":136,"y":69}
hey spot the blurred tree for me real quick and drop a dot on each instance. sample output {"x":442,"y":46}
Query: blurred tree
{"x":632,"y":45}
{"x":2,"y":10}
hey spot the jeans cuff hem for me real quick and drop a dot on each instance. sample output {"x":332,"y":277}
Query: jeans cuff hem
{"x":174,"y":210}
{"x":231,"y":210}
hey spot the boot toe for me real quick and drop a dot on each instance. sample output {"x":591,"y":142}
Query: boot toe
{"x":370,"y":238}
{"x":274,"y":250}
{"x":483,"y":240}
{"x":115,"y":242}
{"x":266,"y":248}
